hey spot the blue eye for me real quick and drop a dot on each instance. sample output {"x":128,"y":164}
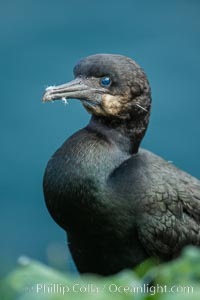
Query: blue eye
{"x":105,"y":81}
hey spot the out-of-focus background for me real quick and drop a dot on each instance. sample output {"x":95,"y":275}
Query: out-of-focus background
{"x":40,"y":43}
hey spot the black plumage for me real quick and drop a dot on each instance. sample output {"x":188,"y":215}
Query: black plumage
{"x":119,"y":204}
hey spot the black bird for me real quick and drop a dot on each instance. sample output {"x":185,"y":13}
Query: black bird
{"x":119,"y":204}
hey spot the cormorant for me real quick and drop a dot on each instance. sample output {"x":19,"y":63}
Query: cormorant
{"x":118,"y":203}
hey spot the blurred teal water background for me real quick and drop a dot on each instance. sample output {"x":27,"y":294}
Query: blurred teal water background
{"x":40,"y":43}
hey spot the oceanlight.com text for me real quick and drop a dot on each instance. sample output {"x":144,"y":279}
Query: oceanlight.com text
{"x":112,"y":288}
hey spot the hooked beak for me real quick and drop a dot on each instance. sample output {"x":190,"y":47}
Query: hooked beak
{"x":76,"y":88}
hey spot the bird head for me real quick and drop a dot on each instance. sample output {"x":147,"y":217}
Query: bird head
{"x":109,"y":86}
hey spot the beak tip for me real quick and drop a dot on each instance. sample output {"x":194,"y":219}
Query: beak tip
{"x":44,"y":98}
{"x":47,"y":96}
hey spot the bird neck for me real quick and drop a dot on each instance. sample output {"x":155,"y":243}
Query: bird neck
{"x":126,"y":134}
